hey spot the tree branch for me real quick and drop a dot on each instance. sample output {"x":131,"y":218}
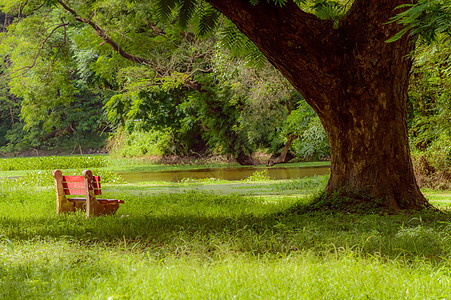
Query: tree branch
{"x":155,"y":29}
{"x":257,"y":20}
{"x":365,"y":16}
{"x":102,"y":34}
{"x":57,"y":52}
{"x":28,"y":68}
{"x":284,"y":32}
{"x":189,"y":83}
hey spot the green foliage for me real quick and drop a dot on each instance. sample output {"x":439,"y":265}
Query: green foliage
{"x":57,"y":111}
{"x":10,"y":125}
{"x":430,"y":98}
{"x":199,"y":94}
{"x":164,"y":8}
{"x":258,"y":176}
{"x":139,"y":143}
{"x":235,"y":111}
{"x":221,"y":117}
{"x":207,"y":20}
{"x":219,"y":111}
{"x":238,"y":45}
{"x":427,"y":19}
{"x":312,"y":142}
{"x":326,"y":10}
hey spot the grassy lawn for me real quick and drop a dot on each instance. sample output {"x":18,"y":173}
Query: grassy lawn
{"x":217,"y":240}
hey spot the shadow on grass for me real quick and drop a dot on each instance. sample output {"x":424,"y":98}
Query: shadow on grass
{"x":426,"y":235}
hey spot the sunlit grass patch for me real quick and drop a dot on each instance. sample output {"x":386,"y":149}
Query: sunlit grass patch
{"x":53,"y":162}
{"x":438,"y":197}
{"x":63,"y":269}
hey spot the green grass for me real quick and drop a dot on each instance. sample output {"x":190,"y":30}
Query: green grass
{"x":197,"y":244}
{"x":120,"y":272}
{"x":53,"y":162}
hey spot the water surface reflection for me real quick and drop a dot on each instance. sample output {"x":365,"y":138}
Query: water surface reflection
{"x":223,"y":173}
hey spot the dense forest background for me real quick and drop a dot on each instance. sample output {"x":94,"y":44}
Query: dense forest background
{"x":64,"y":89}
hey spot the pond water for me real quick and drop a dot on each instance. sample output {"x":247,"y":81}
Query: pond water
{"x":223,"y":173}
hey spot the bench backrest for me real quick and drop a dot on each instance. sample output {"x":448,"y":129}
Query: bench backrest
{"x":75,"y":185}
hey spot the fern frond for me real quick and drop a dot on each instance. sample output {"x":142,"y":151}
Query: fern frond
{"x":299,"y":2}
{"x":280,"y":2}
{"x":254,"y":57}
{"x":164,"y":8}
{"x":208,"y":19}
{"x":427,"y":19}
{"x":232,"y":39}
{"x":187,"y":9}
{"x":49,"y":3}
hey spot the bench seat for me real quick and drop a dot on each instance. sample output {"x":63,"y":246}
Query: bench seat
{"x":100,"y":200}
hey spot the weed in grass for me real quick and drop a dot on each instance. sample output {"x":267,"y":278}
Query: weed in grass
{"x":258,"y":176}
{"x":6,"y":243}
{"x":307,"y":185}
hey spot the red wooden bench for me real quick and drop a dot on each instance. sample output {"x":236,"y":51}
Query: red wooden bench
{"x":86,"y":185}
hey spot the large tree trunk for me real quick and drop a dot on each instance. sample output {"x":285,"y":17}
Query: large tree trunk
{"x":354,"y":80}
{"x":369,"y":146}
{"x":366,"y":120}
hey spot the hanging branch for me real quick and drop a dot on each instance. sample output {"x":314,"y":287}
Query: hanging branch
{"x":28,"y":68}
{"x":56,"y":55}
{"x":188,"y":82}
{"x":102,"y":34}
{"x":155,"y":29}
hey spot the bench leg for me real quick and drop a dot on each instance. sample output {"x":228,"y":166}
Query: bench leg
{"x":101,"y":209}
{"x":108,"y":209}
{"x":93,"y":207}
{"x":62,"y":204}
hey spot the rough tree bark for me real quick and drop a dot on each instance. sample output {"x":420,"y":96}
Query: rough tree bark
{"x":355,"y":81}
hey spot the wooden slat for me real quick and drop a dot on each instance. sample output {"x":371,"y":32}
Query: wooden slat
{"x":100,"y":200}
{"x":110,"y":201}
{"x":77,"y":199}
{"x":97,"y":189}
{"x":80,"y":191}
{"x":96,"y":185}
{"x":75,"y":191}
{"x":74,"y":185}
{"x":73,"y":178}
